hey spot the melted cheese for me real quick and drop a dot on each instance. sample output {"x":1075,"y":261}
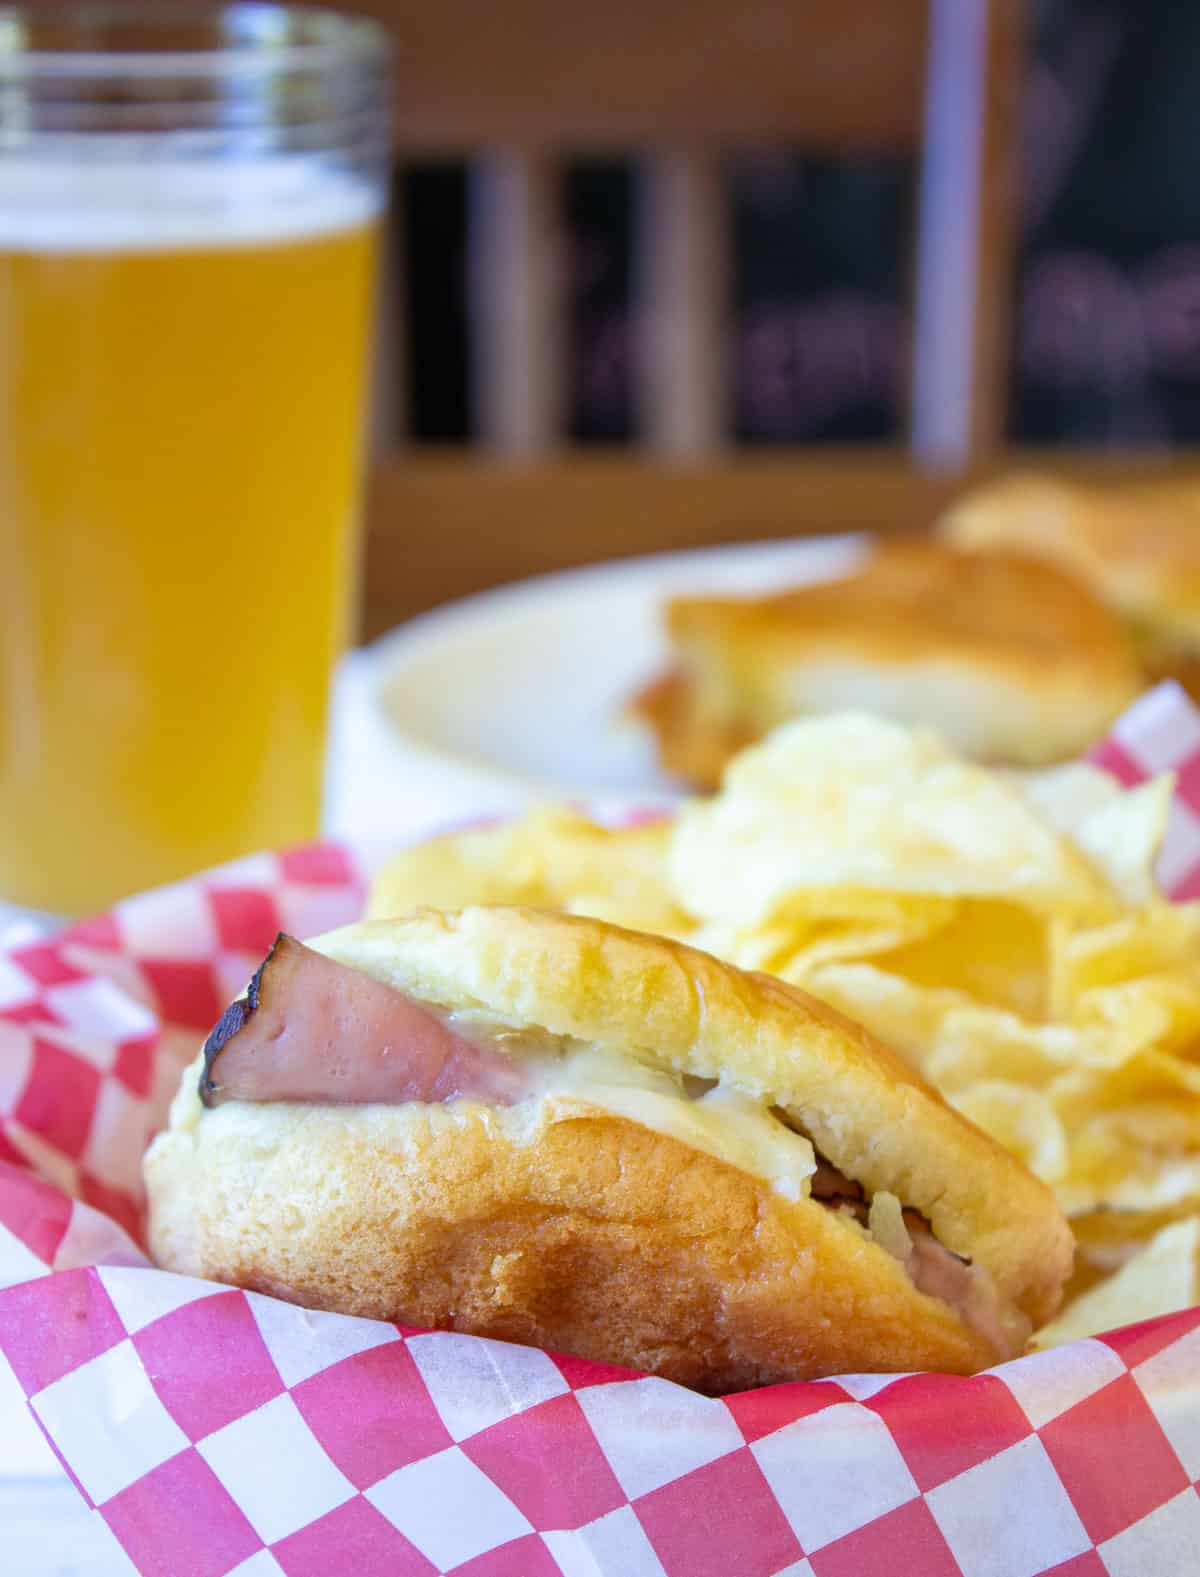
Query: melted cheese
{"x":568,"y":1080}
{"x":722,"y":1122}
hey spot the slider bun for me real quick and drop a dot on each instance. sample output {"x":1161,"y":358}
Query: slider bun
{"x":577,"y":1230}
{"x":695,"y":742}
{"x":1011,"y":659}
{"x":1136,"y":543}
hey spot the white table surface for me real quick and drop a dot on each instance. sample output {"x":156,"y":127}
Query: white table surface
{"x":46,"y":1528}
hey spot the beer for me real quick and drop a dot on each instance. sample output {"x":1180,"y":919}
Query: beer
{"x":181,"y":420}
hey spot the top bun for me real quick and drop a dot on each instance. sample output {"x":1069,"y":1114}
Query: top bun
{"x":1135,"y":543}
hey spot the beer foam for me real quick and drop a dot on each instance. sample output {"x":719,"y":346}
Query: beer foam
{"x":165,"y":204}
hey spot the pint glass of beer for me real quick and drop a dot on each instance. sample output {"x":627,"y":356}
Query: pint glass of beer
{"x":189,"y":208}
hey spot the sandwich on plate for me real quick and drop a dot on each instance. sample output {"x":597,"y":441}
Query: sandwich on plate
{"x":1136,"y":544}
{"x":1013,"y":660}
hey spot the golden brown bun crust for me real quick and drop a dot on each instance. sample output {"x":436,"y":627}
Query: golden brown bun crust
{"x":691,"y":746}
{"x":1012,"y":658}
{"x":596,"y":1237}
{"x":1136,"y":543}
{"x":410,"y":1212}
{"x":920,"y":598}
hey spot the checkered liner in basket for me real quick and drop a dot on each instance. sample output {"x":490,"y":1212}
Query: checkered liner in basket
{"x":219,"y":1431}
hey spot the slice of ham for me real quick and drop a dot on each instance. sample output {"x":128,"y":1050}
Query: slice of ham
{"x":933,"y":1268}
{"x":831,"y":1187}
{"x":310,"y":1029}
{"x":966,"y":1287}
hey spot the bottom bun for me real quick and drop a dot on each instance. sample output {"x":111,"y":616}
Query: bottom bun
{"x":586,"y":1234}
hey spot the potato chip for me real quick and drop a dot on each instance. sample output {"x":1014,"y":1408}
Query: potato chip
{"x":825,"y":926}
{"x":851,"y":801}
{"x":1119,"y":830}
{"x":1157,"y":1012}
{"x":1157,"y":938}
{"x":764,"y":948}
{"x":1134,"y":1134}
{"x":1139,"y":1157}
{"x":832,"y":941}
{"x":1121,"y":1179}
{"x":1020,"y":1119}
{"x":1106,"y":1239}
{"x":995,"y":952}
{"x":907,"y":1017}
{"x":1084,"y":1090}
{"x":1065,"y":795}
{"x":973,"y":1043}
{"x":1161,"y":1279}
{"x":551,"y":857}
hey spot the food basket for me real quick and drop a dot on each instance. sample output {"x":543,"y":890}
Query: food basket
{"x":219,"y":1431}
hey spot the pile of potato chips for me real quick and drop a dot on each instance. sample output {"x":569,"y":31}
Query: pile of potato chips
{"x":1004,"y":931}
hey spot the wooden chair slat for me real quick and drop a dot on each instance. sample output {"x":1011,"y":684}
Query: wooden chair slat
{"x":682,"y":305}
{"x":515,"y":300}
{"x":965,"y":232}
{"x":824,"y":74}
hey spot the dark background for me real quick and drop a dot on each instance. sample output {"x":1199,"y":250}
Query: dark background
{"x":1107,"y":322}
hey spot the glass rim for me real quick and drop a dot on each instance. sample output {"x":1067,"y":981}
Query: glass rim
{"x":336,"y":36}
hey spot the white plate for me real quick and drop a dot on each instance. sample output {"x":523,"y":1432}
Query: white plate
{"x":514,"y":695}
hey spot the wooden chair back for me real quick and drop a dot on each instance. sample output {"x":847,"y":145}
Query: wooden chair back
{"x":516,"y":89}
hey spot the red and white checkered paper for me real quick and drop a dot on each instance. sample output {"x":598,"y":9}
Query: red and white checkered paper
{"x":219,"y":1431}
